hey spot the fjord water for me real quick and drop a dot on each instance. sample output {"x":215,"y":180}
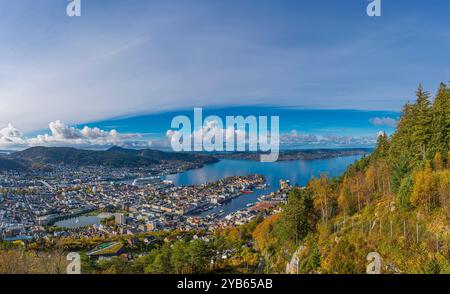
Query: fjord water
{"x":299,"y":172}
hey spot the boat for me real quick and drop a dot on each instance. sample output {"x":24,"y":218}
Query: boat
{"x":246,"y":191}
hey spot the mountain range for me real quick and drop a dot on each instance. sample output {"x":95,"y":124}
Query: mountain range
{"x":114,"y":157}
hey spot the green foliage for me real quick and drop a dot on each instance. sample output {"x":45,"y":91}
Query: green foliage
{"x":161,"y":262}
{"x":180,"y":257}
{"x":382,"y":149}
{"x":399,"y":171}
{"x":404,"y":193}
{"x":440,"y":123}
{"x":199,"y":256}
{"x":311,"y":263}
{"x":298,"y":218}
{"x":421,"y":135}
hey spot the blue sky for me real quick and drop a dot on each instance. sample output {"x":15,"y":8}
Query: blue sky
{"x":133,"y":58}
{"x":300,"y":128}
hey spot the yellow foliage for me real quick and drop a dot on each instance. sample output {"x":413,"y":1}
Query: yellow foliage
{"x":323,"y":196}
{"x":425,"y":190}
{"x":262,"y":235}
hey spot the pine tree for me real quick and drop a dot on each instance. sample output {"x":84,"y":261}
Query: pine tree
{"x":382,"y":149}
{"x":421,"y":125}
{"x":298,"y":218}
{"x":440,"y":123}
{"x":401,"y":142}
{"x":404,"y":193}
{"x":399,"y":171}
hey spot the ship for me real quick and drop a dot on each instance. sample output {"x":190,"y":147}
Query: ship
{"x":246,"y":191}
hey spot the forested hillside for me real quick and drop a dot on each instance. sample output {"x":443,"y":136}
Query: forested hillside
{"x":394,"y":202}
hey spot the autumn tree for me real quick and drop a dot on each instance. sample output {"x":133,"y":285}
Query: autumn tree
{"x":323,"y":196}
{"x":263,"y":233}
{"x":437,"y":161}
{"x":345,"y":201}
{"x":424,"y":192}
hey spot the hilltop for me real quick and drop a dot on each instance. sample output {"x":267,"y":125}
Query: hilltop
{"x":114,"y":157}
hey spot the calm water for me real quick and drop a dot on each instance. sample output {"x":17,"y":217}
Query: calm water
{"x":82,"y":221}
{"x":298,"y":172}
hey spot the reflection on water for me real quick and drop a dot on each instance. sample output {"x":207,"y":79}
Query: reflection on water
{"x":83,"y":221}
{"x":78,"y":222}
{"x":298,"y":172}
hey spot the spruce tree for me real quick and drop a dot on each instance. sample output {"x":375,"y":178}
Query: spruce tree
{"x":401,"y":142}
{"x":421,"y":132}
{"x":441,"y":123}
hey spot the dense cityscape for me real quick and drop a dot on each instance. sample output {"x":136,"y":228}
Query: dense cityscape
{"x":137,"y":200}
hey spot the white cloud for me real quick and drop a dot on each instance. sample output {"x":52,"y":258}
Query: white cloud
{"x":383,"y":121}
{"x":10,"y":136}
{"x":296,"y":139}
{"x":214,"y":129}
{"x":65,"y":135}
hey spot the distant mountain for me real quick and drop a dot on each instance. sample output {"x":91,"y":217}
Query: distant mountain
{"x":114,"y":157}
{"x":117,"y":157}
{"x":290,"y":155}
{"x":165,"y":156}
{"x":77,"y":157}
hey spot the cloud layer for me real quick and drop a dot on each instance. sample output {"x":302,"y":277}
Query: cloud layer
{"x":295,"y":139}
{"x":62,"y":134}
{"x":65,"y":135}
{"x":120,"y":59}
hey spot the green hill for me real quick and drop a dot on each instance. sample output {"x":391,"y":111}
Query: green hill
{"x":114,"y":157}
